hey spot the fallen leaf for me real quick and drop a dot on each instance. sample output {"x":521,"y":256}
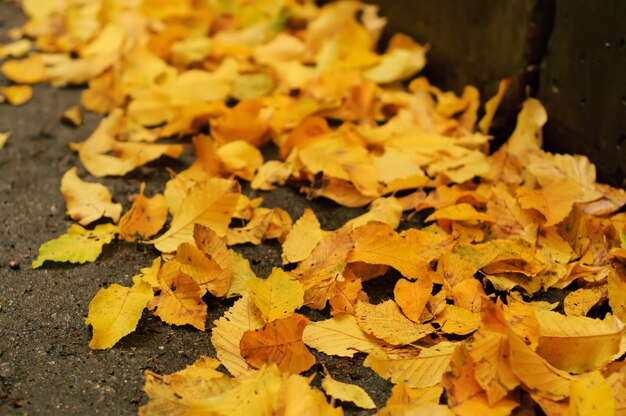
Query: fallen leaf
{"x":276,"y":297}
{"x":280,"y":342}
{"x":3,"y":138}
{"x":414,"y":367}
{"x":304,"y":236}
{"x":412,"y":296}
{"x":227,"y":332}
{"x":77,"y":246}
{"x":591,"y":395}
{"x":145,"y":218}
{"x":578,"y":344}
{"x":17,"y":94}
{"x":180,"y":301}
{"x":115,"y":312}
{"x":347,"y":393}
{"x":339,"y":336}
{"x":27,"y":71}
{"x":73,"y":116}
{"x":88,"y":202}
{"x":210,"y":203}
{"x":386,"y":322}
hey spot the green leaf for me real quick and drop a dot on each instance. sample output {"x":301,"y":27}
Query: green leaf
{"x":77,"y":246}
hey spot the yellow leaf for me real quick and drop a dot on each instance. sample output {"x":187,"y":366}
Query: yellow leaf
{"x":527,"y":135}
{"x":460,"y":212}
{"x":347,"y":393}
{"x":87,"y":202}
{"x":304,"y":236}
{"x":397,"y":65}
{"x":617,"y":290}
{"x":554,"y":201}
{"x":414,"y":367}
{"x":580,"y":301}
{"x":578,"y":344}
{"x":73,"y":116}
{"x":203,"y":269}
{"x":536,"y":373}
{"x":114,"y":312}
{"x":378,"y":243}
{"x":413,"y":296}
{"x":215,"y":248}
{"x":17,"y":94}
{"x":323,"y":267}
{"x":145,"y":218}
{"x":279,"y":342}
{"x":492,"y":370}
{"x":240,"y":158}
{"x":227,"y":332}
{"x":15,"y":49}
{"x":386,"y":322}
{"x":591,"y":395}
{"x":3,"y":138}
{"x":242,"y":272}
{"x":339,"y":336}
{"x":492,"y":104}
{"x":180,"y":301}
{"x":459,"y":321}
{"x":77,"y":246}
{"x":276,"y":297}
{"x":383,"y":210}
{"x":209,"y":203}
{"x":27,"y":71}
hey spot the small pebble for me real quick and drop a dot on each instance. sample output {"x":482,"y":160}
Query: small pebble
{"x":134,"y":400}
{"x":14,"y":264}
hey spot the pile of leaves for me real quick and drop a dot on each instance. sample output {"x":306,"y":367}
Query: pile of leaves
{"x":464,"y":332}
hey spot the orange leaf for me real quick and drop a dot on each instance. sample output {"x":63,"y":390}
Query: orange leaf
{"x":279,"y":342}
{"x":145,"y":218}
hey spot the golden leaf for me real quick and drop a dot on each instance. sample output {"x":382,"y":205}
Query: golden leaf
{"x":460,"y":212}
{"x":27,"y":71}
{"x":386,"y":322}
{"x":347,"y":393}
{"x":591,"y":395}
{"x":17,"y":94}
{"x":115,"y":312}
{"x":322,"y":268}
{"x":554,"y":201}
{"x":279,"y":342}
{"x":578,"y":344}
{"x":203,"y":269}
{"x":209,"y":203}
{"x":536,"y":373}
{"x":339,"y":336}
{"x":77,"y":246}
{"x":580,"y":301}
{"x":87,"y":202}
{"x":276,"y":297}
{"x":145,"y":218}
{"x":492,"y":370}
{"x":414,"y":367}
{"x":180,"y":301}
{"x":304,"y":236}
{"x":229,"y":329}
{"x":412,"y":296}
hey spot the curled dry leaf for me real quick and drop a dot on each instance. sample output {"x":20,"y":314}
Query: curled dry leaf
{"x":87,"y":202}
